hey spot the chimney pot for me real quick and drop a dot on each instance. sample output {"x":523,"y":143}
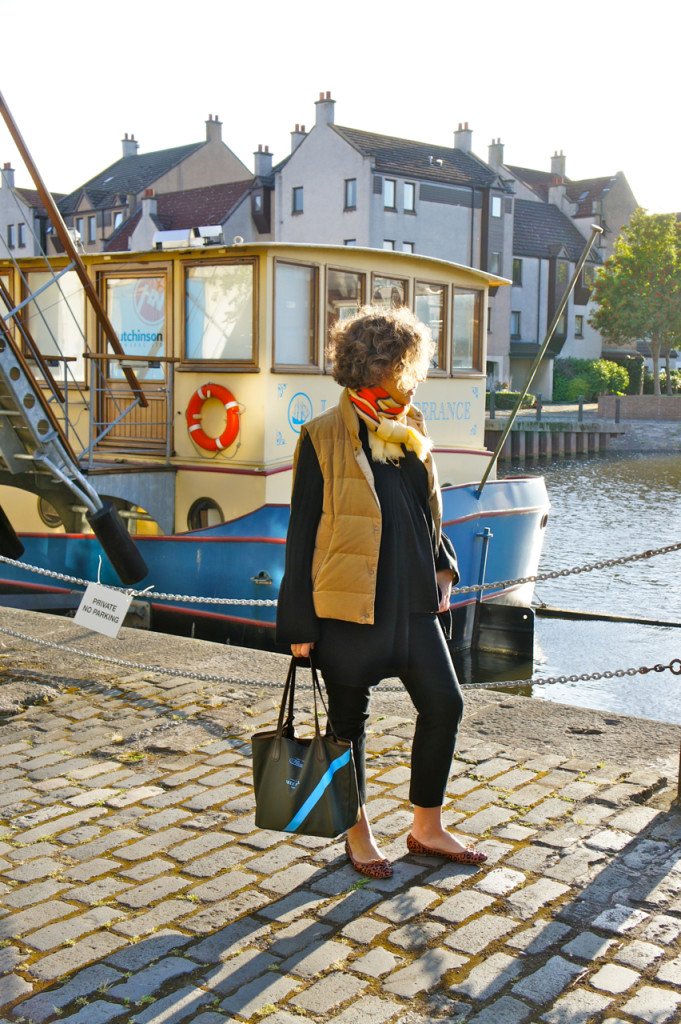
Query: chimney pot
{"x":321,"y":96}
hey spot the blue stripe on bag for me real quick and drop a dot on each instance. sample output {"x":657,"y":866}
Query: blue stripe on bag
{"x":318,"y":792}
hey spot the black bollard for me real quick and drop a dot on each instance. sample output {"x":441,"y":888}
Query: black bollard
{"x":10,"y":545}
{"x":492,"y":402}
{"x":618,"y":409}
{"x":580,"y":409}
{"x":110,"y":531}
{"x":540,"y":406}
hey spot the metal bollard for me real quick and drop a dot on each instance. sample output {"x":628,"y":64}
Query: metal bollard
{"x":618,"y":409}
{"x":540,"y":406}
{"x":492,"y":402}
{"x":580,"y":409}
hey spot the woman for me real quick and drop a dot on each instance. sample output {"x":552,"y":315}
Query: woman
{"x":368,"y":567}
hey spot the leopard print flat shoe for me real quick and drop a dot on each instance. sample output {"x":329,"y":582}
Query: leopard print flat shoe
{"x":371,"y":868}
{"x":467,"y":856}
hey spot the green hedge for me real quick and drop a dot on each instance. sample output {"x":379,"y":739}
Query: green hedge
{"x":675,"y":378}
{"x":509,"y":399}
{"x":574,"y":378}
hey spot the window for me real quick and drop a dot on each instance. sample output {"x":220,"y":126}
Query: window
{"x":56,"y":319}
{"x":297,"y":199}
{"x":561,"y":326}
{"x":466,"y":329}
{"x":117,"y":219}
{"x":92,"y":229}
{"x":295,"y":315}
{"x":517,"y":272}
{"x":388,"y":243}
{"x":204,"y":513}
{"x":219,"y":313}
{"x":10,"y":236}
{"x":350,"y":241}
{"x":350,"y":201}
{"x":388,"y":291}
{"x":344,"y":294}
{"x":579,"y":326}
{"x":495,"y":263}
{"x":408,"y":247}
{"x":389,"y":192}
{"x":431,"y":308}
{"x":515,"y":324}
{"x":489,"y":319}
{"x":137,"y":310}
{"x":588,"y":276}
{"x":409,"y":197}
{"x":80,"y":226}
{"x":496,"y":206}
{"x":21,"y":235}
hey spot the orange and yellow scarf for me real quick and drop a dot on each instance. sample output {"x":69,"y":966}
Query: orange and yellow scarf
{"x":388,"y":429}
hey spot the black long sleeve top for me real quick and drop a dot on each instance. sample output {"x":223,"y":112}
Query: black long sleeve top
{"x":408,"y":560}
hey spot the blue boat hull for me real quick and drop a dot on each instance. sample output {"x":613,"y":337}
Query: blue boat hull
{"x":233,"y":559}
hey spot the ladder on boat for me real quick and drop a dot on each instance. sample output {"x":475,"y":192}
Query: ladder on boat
{"x":33,"y":443}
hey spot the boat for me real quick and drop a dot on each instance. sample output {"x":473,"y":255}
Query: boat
{"x":151,"y":402}
{"x":227,"y":346}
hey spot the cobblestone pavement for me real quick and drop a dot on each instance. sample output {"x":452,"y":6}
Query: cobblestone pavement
{"x":134,"y":885}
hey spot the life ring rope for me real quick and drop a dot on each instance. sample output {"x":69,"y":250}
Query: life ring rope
{"x":194,"y":414}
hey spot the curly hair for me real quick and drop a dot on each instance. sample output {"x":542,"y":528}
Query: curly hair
{"x":375,"y":343}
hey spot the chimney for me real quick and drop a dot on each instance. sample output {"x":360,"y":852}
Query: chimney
{"x":149,"y":203}
{"x":463,"y":138}
{"x":213,"y":128}
{"x":263,"y":162}
{"x":297,"y":136}
{"x":495,"y":152}
{"x":131,"y":203}
{"x":324,"y":107}
{"x":130,"y":145}
{"x":558,"y":165}
{"x":7,"y":176}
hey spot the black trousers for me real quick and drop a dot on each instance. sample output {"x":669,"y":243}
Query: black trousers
{"x":430,"y":680}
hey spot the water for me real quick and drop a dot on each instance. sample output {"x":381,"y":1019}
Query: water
{"x":603,"y":507}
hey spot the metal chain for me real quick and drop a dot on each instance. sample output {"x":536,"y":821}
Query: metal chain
{"x":476,"y":588}
{"x":674,"y":667}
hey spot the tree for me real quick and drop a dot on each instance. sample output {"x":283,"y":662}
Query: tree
{"x":638,"y":290}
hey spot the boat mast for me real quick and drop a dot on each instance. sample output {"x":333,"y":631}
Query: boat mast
{"x":69,"y":247}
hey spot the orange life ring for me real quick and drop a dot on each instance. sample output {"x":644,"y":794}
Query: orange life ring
{"x":193,"y":415}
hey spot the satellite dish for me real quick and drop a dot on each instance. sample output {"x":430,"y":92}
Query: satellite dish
{"x":238,"y":240}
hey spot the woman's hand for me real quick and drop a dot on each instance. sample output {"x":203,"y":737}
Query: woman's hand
{"x":445,"y":579}
{"x":302,"y":650}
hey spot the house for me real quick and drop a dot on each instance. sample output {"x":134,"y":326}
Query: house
{"x":553,"y":218}
{"x":546,"y":247}
{"x":345,"y":186}
{"x":99,"y":207}
{"x":23,"y":219}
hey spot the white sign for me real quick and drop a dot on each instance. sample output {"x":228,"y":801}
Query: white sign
{"x":102,"y":609}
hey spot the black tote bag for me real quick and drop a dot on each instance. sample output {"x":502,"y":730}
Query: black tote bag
{"x":303,"y":786}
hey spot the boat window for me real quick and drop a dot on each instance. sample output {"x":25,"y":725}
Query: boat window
{"x":49,"y":514}
{"x":295,"y":315}
{"x":388,"y":292}
{"x":430,"y":306}
{"x":466,"y":329}
{"x":220,"y":313}
{"x":3,"y":305}
{"x":345,"y":293}
{"x":56,"y":320}
{"x":137,"y":310}
{"x":204,"y":513}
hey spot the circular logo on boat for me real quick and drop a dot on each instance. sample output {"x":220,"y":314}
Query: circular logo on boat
{"x":299,"y":411}
{"x":149,"y":299}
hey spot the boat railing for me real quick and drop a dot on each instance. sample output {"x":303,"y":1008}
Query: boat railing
{"x":117,"y":418}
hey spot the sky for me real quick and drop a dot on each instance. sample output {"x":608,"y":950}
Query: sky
{"x":596,"y":80}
